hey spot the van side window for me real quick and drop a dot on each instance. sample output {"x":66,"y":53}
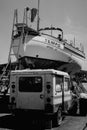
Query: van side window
{"x":66,"y":84}
{"x":58,"y":84}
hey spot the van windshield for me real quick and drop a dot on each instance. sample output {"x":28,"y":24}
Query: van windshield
{"x":30,"y":84}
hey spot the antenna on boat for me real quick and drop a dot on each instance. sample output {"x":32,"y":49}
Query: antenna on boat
{"x":74,"y":41}
{"x":51,"y":30}
{"x":38,"y":19}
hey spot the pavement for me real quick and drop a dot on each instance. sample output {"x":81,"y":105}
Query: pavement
{"x":9,"y":122}
{"x":74,"y":123}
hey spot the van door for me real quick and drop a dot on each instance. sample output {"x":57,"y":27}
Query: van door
{"x":67,"y":94}
{"x":30,"y":92}
{"x":59,"y":96}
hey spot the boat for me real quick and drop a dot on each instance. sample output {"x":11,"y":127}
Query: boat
{"x":40,"y":50}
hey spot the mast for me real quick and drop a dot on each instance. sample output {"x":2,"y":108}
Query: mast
{"x":38,"y":16}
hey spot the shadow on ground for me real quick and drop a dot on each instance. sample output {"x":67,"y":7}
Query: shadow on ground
{"x":8,"y":121}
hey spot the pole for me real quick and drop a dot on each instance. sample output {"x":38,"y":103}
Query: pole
{"x":51,"y":29}
{"x":38,"y":16}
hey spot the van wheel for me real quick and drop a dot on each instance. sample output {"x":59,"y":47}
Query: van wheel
{"x":59,"y":116}
{"x":57,"y":120}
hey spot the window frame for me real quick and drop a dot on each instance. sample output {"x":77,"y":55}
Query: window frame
{"x":25,"y":84}
{"x":67,"y":84}
{"x":57,"y":84}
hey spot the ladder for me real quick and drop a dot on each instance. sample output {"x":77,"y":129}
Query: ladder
{"x":8,"y":68}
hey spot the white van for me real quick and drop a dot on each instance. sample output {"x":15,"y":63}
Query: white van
{"x":42,"y":91}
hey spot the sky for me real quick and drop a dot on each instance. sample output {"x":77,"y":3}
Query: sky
{"x":70,"y":15}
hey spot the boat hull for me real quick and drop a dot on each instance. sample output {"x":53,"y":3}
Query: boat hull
{"x":48,"y":50}
{"x":38,"y":47}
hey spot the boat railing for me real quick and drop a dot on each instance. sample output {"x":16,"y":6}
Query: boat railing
{"x":27,"y":30}
{"x":61,"y":39}
{"x":72,"y":44}
{"x":60,"y":36}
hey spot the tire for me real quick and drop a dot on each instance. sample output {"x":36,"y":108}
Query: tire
{"x":59,"y":116}
{"x":57,"y":119}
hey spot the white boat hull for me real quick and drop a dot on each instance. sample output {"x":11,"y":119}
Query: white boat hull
{"x":39,"y":48}
{"x":47,"y":48}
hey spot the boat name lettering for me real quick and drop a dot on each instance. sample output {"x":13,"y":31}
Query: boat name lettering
{"x":54,"y":43}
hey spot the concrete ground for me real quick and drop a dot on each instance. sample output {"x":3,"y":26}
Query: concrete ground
{"x":8,"y":122}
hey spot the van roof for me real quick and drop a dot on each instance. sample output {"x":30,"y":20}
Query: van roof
{"x":26,"y":71}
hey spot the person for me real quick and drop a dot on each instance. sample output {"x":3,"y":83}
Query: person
{"x":75,"y":96}
{"x":60,"y":37}
{"x":75,"y":88}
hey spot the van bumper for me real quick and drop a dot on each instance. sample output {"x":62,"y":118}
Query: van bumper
{"x":32,"y":113}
